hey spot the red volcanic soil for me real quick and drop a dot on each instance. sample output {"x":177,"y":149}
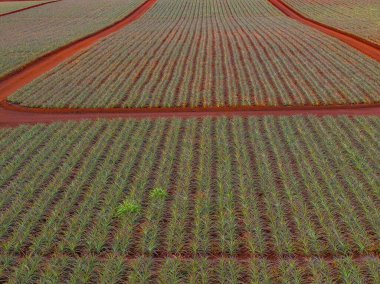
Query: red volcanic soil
{"x":11,"y":115}
{"x":27,"y":8}
{"x":365,"y":46}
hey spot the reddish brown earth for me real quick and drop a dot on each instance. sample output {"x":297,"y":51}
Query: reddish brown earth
{"x":27,"y":8}
{"x":12,"y":115}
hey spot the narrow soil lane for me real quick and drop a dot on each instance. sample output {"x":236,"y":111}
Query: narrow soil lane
{"x":27,"y":8}
{"x":13,"y":115}
{"x":369,"y":48}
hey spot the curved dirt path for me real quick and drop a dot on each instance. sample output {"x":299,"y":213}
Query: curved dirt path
{"x":367,"y":47}
{"x":11,"y":115}
{"x":27,"y":8}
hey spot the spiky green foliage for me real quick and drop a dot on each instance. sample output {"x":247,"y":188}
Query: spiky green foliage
{"x":113,"y":269}
{"x":218,"y":53}
{"x":46,"y":28}
{"x":347,"y":15}
{"x":258,"y":200}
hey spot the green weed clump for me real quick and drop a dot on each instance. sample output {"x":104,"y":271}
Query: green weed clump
{"x":128,"y":207}
{"x":158,"y":193}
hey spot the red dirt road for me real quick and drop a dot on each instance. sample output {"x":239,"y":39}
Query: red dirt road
{"x":367,"y":47}
{"x":14,"y":115}
{"x":27,"y":8}
{"x":11,"y":115}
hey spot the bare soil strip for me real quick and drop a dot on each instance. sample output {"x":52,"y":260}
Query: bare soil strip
{"x":367,"y":47}
{"x":12,"y":115}
{"x":27,"y":8}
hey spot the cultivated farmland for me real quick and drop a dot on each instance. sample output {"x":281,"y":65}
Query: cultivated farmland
{"x":194,"y":141}
{"x":228,"y":199}
{"x":209,"y":53}
{"x":116,"y":269}
{"x":27,"y":35}
{"x":6,"y":7}
{"x":361,"y":18}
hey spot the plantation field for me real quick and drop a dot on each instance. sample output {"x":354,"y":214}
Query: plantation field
{"x":28,"y":35}
{"x":361,"y":18}
{"x":253,"y":189}
{"x":209,"y":53}
{"x":6,"y":7}
{"x":116,"y":269}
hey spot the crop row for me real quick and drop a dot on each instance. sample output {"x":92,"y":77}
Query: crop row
{"x":27,"y":35}
{"x":362,"y":19}
{"x":6,"y":7}
{"x":243,"y":186}
{"x":116,"y":269}
{"x":209,"y":53}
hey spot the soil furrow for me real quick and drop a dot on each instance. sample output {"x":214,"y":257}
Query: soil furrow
{"x":27,"y":8}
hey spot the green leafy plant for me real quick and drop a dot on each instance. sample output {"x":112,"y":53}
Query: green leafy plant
{"x":158,"y":193}
{"x":128,"y":206}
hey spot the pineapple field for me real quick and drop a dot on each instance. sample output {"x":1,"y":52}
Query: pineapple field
{"x":361,"y":18}
{"x":217,"y":53}
{"x":273,"y":191}
{"x":189,"y":141}
{"x":28,"y":35}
